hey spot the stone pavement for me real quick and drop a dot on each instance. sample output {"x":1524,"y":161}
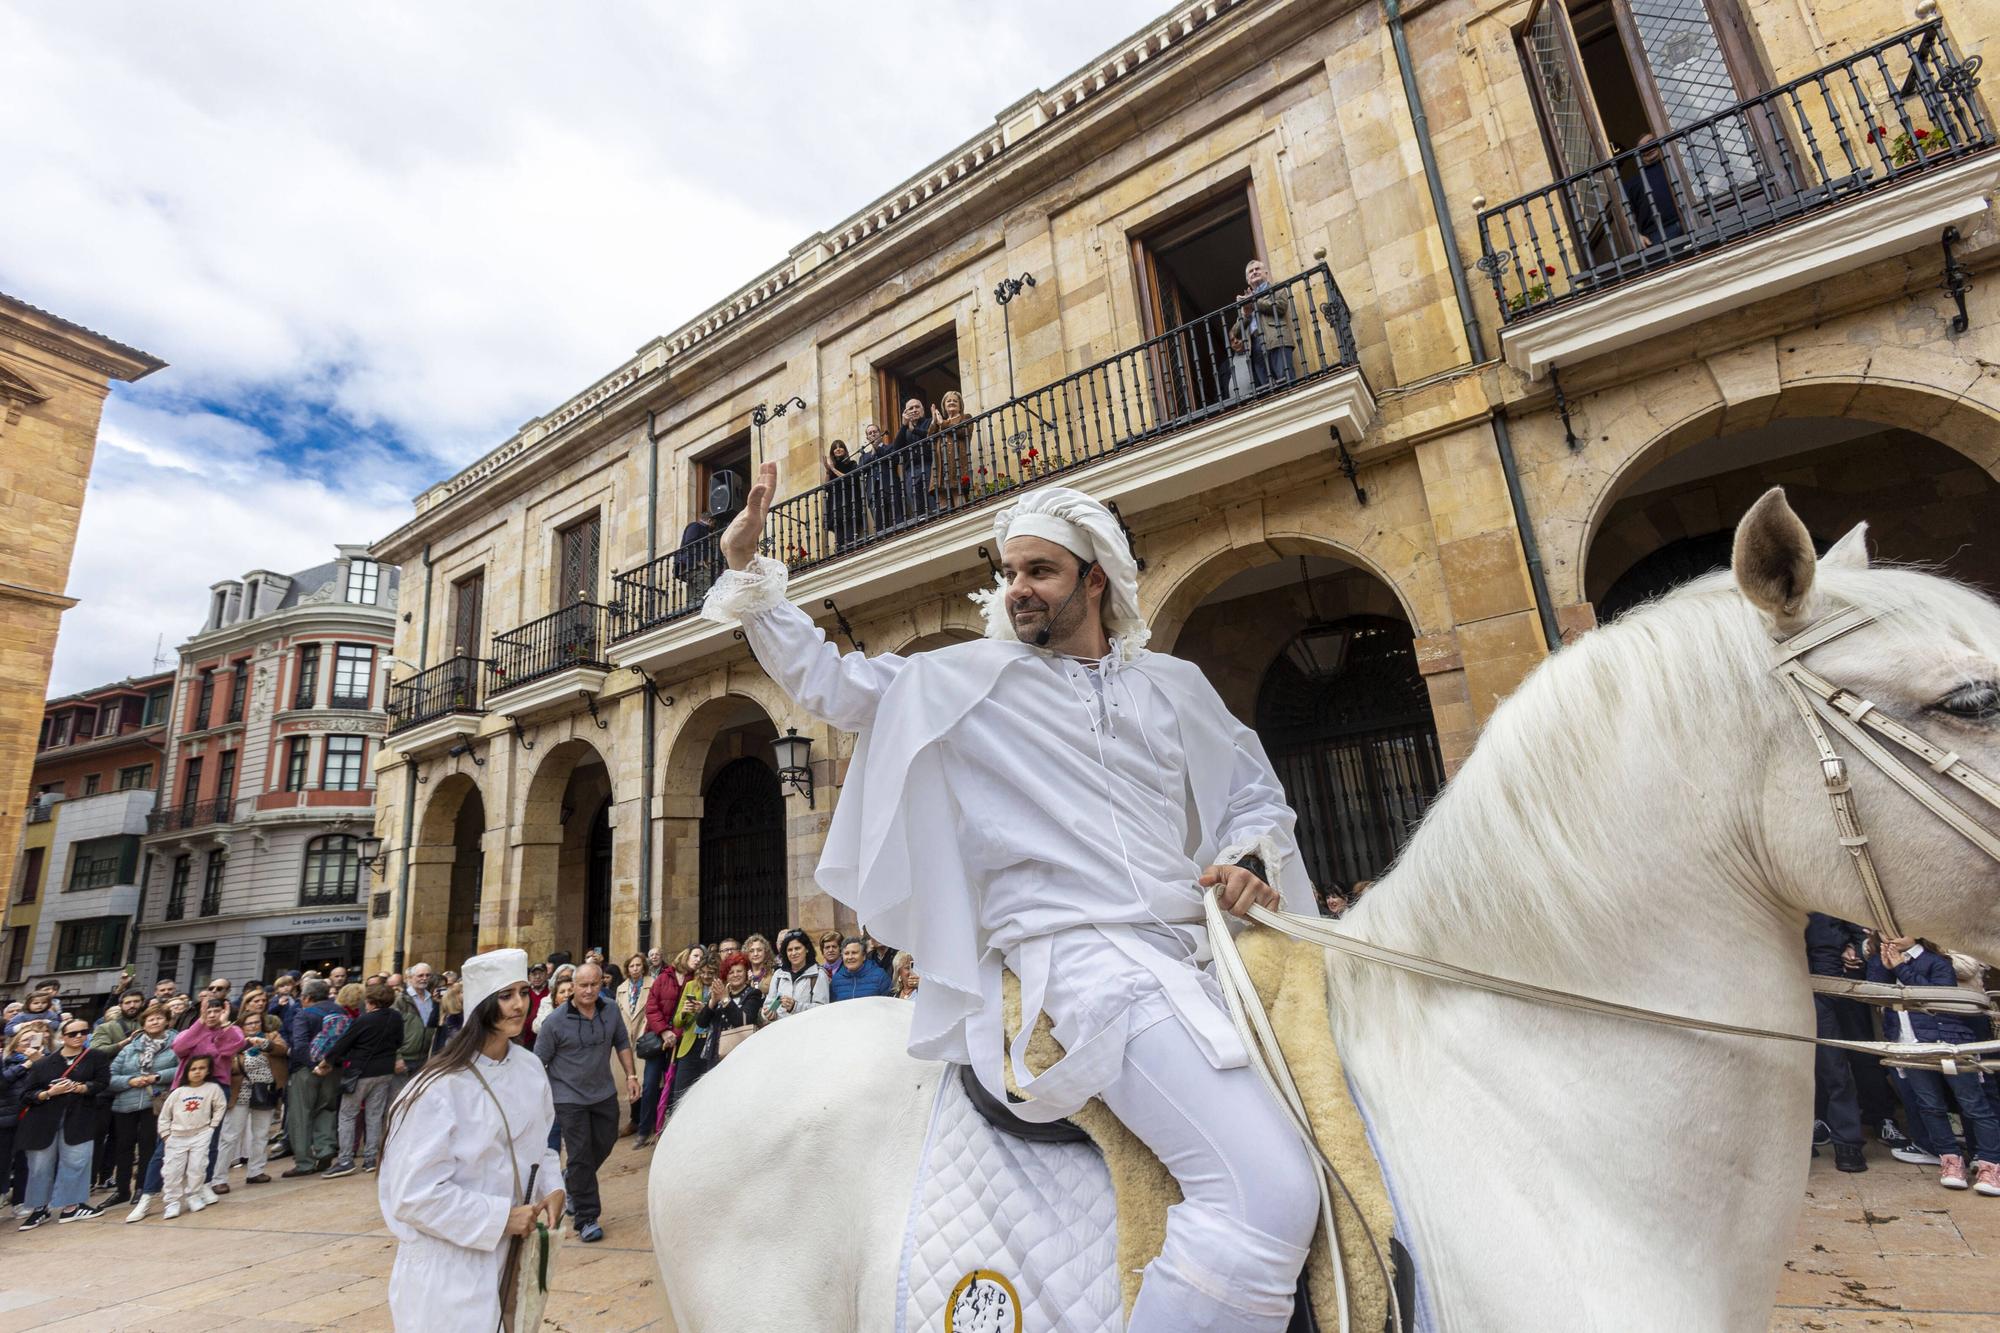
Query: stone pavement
{"x":1886,"y":1250}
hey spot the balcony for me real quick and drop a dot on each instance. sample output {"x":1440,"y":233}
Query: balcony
{"x":550,"y":659}
{"x":192,"y":815}
{"x":1868,"y":157}
{"x":1170,"y":417}
{"x":437,"y":705}
{"x":41,"y":812}
{"x":316,"y":796}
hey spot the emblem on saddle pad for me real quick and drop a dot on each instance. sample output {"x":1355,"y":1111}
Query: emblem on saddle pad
{"x":983,"y":1302}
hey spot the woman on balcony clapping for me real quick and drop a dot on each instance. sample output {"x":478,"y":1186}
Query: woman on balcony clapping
{"x":951,"y":452}
{"x":843,"y":494}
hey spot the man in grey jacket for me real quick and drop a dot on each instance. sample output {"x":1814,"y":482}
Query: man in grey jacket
{"x":576,"y":1044}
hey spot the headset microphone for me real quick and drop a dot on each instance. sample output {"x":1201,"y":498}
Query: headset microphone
{"x":1048,"y":629}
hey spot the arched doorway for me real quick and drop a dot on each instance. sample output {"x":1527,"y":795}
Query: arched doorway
{"x":597,"y":882}
{"x":447,"y":874}
{"x":743,"y":889}
{"x":1346,"y":719}
{"x":565,"y":839}
{"x":468,"y":877}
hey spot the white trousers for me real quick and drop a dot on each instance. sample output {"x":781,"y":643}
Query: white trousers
{"x":1237,"y":1240}
{"x":184,"y":1165}
{"x":246,"y":1133}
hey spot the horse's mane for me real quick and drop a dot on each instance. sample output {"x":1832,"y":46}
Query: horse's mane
{"x":1530,"y":843}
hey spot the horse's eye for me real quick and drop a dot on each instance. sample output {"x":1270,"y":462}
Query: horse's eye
{"x":1978,"y":701}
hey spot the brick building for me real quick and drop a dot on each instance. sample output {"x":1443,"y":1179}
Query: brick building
{"x":70,"y":908}
{"x":1567,"y":282}
{"x":54,"y":376}
{"x":268,"y":787}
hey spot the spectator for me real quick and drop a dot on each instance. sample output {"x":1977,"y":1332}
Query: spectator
{"x":843,"y":494}
{"x":727,"y":947}
{"x":906,"y":977}
{"x":695,"y":564}
{"x":187,"y":1130}
{"x":180,"y":1012}
{"x":59,"y":1126}
{"x":914,"y":454}
{"x":120,"y":1024}
{"x":878,"y":476}
{"x":1828,"y":942}
{"x":559,"y":995}
{"x":690,"y":1061}
{"x":576,"y":1045}
{"x":1264,"y":323}
{"x":884,"y":956}
{"x":656,"y":961}
{"x":763,"y":960}
{"x":310,"y":1098}
{"x":858,"y":974}
{"x":256,"y":1088}
{"x":452,"y":1007}
{"x":1241,"y":381}
{"x":284,"y":999}
{"x":538,"y":994}
{"x":418,"y":1009}
{"x":1649,"y":194}
{"x":632,"y":998}
{"x":140,"y":1074}
{"x":735,"y":1004}
{"x":215,"y":1036}
{"x":829,"y":951}
{"x":663,"y":999}
{"x":23,"y":1048}
{"x":1912,"y":963}
{"x":38,"y":1007}
{"x":163,"y":990}
{"x":336,"y":979}
{"x":799,"y":984}
{"x":951,"y":451}
{"x":219,"y":988}
{"x":367,"y":1050}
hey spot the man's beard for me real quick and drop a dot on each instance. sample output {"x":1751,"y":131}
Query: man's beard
{"x":1061,"y":624}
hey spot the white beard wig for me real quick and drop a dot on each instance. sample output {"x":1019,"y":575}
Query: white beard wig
{"x":1087,"y":530}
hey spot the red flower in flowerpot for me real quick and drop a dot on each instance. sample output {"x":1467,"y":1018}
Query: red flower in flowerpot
{"x":965,"y":481}
{"x":1548,"y":270}
{"x":1031,"y":454}
{"x":1875,"y":134}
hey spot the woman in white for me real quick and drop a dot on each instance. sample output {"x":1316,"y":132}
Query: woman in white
{"x":473,"y":1122}
{"x":797,"y":984}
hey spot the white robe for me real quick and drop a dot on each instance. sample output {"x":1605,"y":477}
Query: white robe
{"x":1007,"y":804}
{"x":447,"y":1186}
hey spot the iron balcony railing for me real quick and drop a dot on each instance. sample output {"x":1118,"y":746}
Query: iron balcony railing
{"x":355,"y":702}
{"x":452,"y":686}
{"x":192,"y":814}
{"x":1296,"y":333}
{"x":42,"y":813}
{"x":1901,"y":107}
{"x":572,"y":637}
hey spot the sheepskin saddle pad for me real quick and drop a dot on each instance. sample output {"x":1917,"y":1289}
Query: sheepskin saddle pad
{"x":1290,"y":976}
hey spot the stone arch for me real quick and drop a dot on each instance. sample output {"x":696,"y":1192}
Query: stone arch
{"x":448,"y":873}
{"x":551,"y":853}
{"x":1170,"y":599}
{"x":703,"y":739}
{"x":950,"y":618}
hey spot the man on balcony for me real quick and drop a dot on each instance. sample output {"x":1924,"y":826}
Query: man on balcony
{"x":1056,"y":799}
{"x":1264,"y":324}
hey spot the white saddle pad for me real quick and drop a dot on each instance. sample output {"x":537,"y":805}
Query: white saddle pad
{"x":1006,"y":1234}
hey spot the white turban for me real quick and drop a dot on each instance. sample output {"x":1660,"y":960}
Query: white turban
{"x":1089,"y":531}
{"x":487,"y":973}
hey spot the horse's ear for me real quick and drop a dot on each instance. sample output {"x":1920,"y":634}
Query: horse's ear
{"x":1850,"y":552}
{"x":1773,"y":557}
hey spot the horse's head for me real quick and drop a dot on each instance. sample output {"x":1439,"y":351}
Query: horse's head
{"x":1926,"y":655}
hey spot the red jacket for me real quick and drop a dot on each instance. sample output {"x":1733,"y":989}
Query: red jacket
{"x":661,"y":999}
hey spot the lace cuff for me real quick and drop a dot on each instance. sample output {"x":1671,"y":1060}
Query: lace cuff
{"x":739,"y":593}
{"x":1259,"y":846}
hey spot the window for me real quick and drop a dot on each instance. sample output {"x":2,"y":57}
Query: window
{"x":92,"y":942}
{"x":86,"y":723}
{"x":250,"y":598}
{"x":297,"y":749}
{"x":59,"y":730}
{"x":190,"y":788}
{"x":219,"y":608}
{"x":17,"y":952}
{"x":137,"y":776}
{"x":225,"y":777}
{"x":308,"y":686}
{"x":99,"y":863}
{"x":107,"y":720}
{"x":353,"y":675}
{"x":204,"y":703}
{"x":333,"y":871}
{"x":364,"y":579}
{"x":177,"y":889}
{"x":204,"y":966}
{"x":925,"y":371}
{"x":211,"y":884}
{"x":156,"y":706}
{"x":576,"y":562}
{"x":1190,"y":266}
{"x":239,"y":685}
{"x":91,"y":782}
{"x":720,"y":503}
{"x":169,"y":966}
{"x":341,"y":769}
{"x":31,"y":874}
{"x":467,"y":598}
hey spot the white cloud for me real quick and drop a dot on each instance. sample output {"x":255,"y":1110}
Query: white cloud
{"x":433,"y":221}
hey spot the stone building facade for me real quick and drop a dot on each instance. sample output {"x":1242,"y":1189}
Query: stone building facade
{"x":54,"y":377}
{"x":254,"y":854}
{"x":1567,"y":284}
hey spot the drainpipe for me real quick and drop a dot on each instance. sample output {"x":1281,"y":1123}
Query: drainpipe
{"x":410,"y":786}
{"x":646,"y":741}
{"x":1469,"y":316}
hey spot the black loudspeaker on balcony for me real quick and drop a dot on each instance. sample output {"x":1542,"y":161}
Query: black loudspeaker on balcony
{"x":726,"y":493}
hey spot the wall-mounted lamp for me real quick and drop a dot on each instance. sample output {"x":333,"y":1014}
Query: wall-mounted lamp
{"x":464,"y":749}
{"x":368,"y":851}
{"x":794,"y":754}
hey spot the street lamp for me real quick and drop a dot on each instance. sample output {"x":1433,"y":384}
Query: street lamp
{"x":1319,"y":650}
{"x":794,"y":754}
{"x":1008,"y":289}
{"x":764,"y":412}
{"x":368,"y":851}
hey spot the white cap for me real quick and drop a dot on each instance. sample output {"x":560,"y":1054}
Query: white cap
{"x":1086,"y":529}
{"x":491,"y":972}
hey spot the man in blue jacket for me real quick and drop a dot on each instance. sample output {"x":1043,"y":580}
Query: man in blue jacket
{"x":858,"y":974}
{"x":1910,"y":963}
{"x":309,"y":1096}
{"x":1830,"y":942}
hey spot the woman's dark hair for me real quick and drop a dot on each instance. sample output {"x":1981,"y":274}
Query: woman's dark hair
{"x":785,"y":942}
{"x":457,"y":1054}
{"x":192,"y":1061}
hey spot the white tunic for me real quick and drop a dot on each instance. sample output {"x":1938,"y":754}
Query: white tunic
{"x":447,"y":1186}
{"x":1069,"y":824}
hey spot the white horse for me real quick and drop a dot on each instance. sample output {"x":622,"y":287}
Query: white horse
{"x":1642,"y":821}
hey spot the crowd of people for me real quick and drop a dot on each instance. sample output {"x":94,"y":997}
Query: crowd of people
{"x":164,"y":1096}
{"x":1854,"y":1092}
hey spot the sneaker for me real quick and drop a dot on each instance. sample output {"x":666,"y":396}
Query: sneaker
{"x":207,"y":1193}
{"x":367,"y":1164}
{"x":1989,"y":1178}
{"x":1821,"y":1134}
{"x":259,"y":1179}
{"x":642,"y":1140}
{"x":139,"y":1207}
{"x":196,"y":1203}
{"x":1914,"y":1154}
{"x":590,"y":1232}
{"x":173,"y":1211}
{"x":1849,"y":1157}
{"x":302,"y":1169}
{"x":83,"y":1212}
{"x":119,"y":1200}
{"x":22,"y":1210}
{"x":219,"y":1187}
{"x":1890,"y":1133}
{"x":1951,"y":1171}
{"x":338,"y":1170}
{"x":34,"y":1219}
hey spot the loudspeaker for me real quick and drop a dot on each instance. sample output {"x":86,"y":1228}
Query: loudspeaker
{"x":726,"y":493}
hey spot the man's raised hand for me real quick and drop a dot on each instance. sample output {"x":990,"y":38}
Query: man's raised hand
{"x":740,"y":538}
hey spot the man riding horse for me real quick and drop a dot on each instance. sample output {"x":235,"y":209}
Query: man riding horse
{"x":1056,"y":799}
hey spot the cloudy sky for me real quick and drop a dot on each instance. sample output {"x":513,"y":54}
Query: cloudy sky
{"x":373,"y":238}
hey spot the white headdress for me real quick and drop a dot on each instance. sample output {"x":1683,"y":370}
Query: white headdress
{"x":1086,"y":529}
{"x":490,"y":972}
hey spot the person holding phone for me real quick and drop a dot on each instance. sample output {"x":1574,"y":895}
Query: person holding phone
{"x":60,"y":1123}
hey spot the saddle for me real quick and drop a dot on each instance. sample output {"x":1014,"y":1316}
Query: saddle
{"x":1290,"y":978}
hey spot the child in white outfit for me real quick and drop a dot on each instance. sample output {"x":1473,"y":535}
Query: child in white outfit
{"x":188,"y":1117}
